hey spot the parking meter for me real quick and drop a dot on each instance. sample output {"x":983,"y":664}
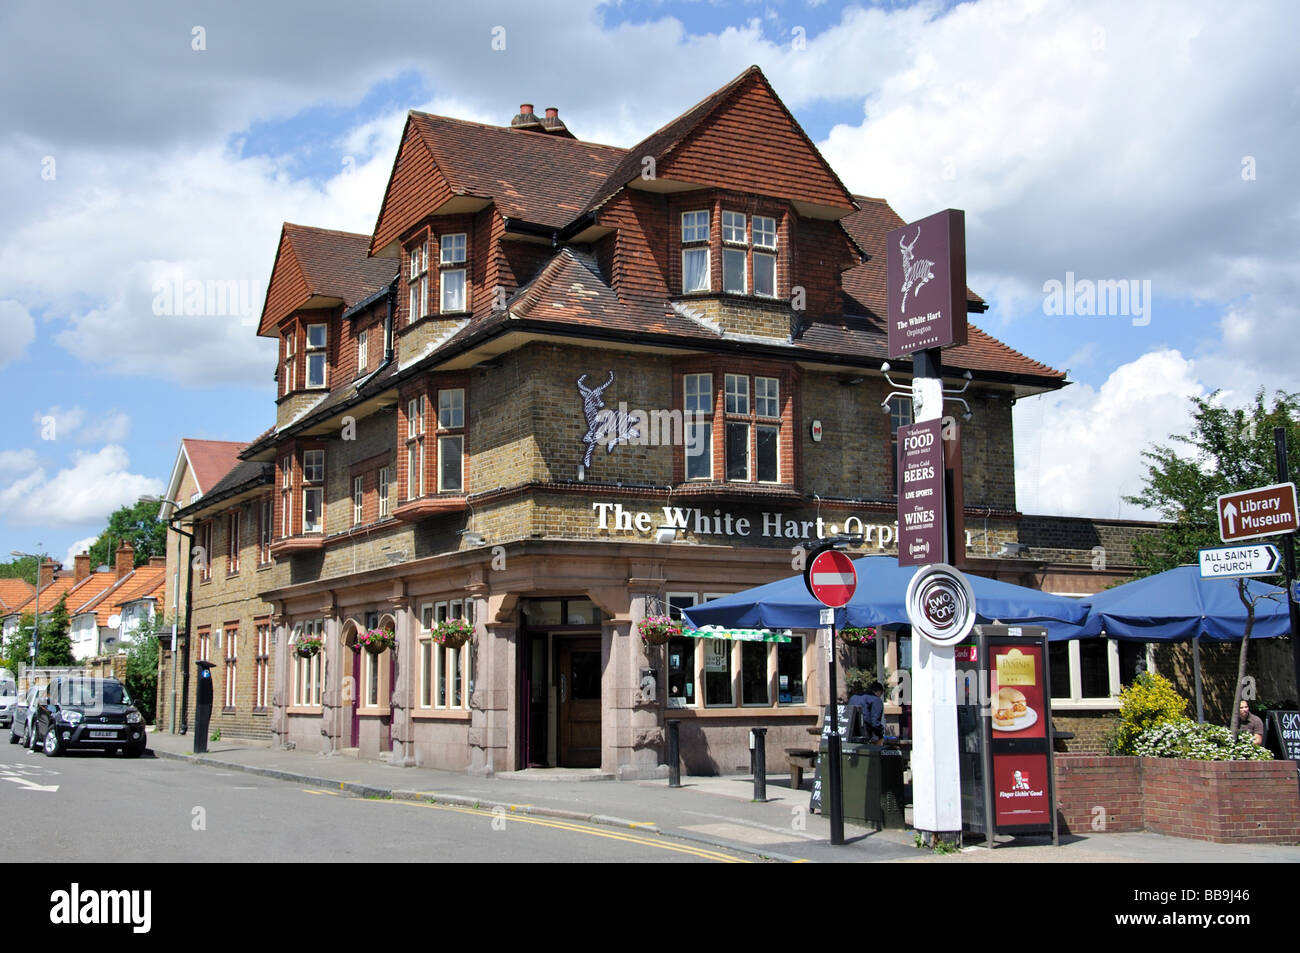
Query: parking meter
{"x":203,"y":707}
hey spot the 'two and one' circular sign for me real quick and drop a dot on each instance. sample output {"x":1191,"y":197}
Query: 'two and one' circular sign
{"x":941,"y":604}
{"x":832,"y":579}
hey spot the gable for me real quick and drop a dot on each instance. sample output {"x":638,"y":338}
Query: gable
{"x":286,"y":290}
{"x":415,"y":189}
{"x":751,"y":143}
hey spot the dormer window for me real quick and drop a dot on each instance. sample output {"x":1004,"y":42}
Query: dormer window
{"x":451,"y":260}
{"x":363,"y":354}
{"x":316,"y":339}
{"x":418,"y":282}
{"x":695,"y":251}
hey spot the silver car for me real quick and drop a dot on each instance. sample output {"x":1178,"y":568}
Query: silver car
{"x":24,"y":714}
{"x":8,"y":701}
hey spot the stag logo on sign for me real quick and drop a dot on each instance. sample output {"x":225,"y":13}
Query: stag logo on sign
{"x":916,"y":271}
{"x":75,"y":906}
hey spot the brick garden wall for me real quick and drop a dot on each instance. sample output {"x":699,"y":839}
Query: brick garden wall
{"x":1219,"y":801}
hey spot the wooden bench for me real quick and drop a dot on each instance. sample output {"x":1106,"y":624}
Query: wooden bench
{"x":799,"y":760}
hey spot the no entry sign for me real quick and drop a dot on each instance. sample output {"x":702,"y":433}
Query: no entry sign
{"x":1263,"y":511}
{"x":832,"y":579}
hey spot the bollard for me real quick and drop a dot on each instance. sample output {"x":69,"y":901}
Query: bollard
{"x":759,"y":736}
{"x":674,"y":756}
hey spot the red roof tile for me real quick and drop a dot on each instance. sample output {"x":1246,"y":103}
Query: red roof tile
{"x":321,"y":262}
{"x":14,"y":592}
{"x":210,"y":460}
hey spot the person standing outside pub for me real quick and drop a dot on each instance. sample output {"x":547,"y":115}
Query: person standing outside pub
{"x":1250,"y":724}
{"x":873,"y":710}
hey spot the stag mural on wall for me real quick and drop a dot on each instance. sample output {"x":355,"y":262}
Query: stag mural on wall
{"x":603,"y":425}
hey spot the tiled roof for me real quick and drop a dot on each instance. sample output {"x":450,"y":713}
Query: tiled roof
{"x":240,"y":476}
{"x":210,"y":460}
{"x":93,"y":594}
{"x":143,"y":582}
{"x":321,"y":262}
{"x":64,"y":584}
{"x":13,"y":592}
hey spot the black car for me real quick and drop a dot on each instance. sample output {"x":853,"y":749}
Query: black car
{"x":82,"y":712}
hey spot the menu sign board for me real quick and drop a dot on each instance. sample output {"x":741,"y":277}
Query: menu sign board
{"x":847,"y":721}
{"x":920,"y":494}
{"x":1286,"y":731}
{"x":1016,"y":692}
{"x":925,"y":271}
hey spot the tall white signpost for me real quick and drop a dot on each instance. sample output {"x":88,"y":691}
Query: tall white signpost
{"x":926,"y":281}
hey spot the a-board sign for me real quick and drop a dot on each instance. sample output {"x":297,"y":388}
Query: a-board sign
{"x":920,"y":494}
{"x":847,"y":716}
{"x":1286,"y":732}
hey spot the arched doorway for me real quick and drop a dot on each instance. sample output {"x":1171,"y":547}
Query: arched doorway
{"x":350,"y":681}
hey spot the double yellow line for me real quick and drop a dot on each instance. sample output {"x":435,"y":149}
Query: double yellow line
{"x":559,"y":824}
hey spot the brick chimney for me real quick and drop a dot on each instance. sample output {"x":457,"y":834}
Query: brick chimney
{"x":157,"y":560}
{"x":553,"y":124}
{"x":125,"y":560}
{"x":46,"y":575}
{"x":526,"y":119}
{"x":81,"y":567}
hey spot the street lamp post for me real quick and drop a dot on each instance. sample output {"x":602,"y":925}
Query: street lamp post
{"x":36,"y":617}
{"x":166,"y":510}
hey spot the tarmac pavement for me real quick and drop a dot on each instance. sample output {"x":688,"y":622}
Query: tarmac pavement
{"x":718,"y":811}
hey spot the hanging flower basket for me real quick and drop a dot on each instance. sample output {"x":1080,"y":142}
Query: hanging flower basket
{"x":856,"y":636}
{"x":452,"y":633}
{"x":375,"y":641}
{"x":308,"y":645}
{"x":658,"y":629}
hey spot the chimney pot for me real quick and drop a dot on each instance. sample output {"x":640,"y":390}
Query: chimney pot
{"x":552,"y":112}
{"x":46,"y":574}
{"x":81,"y":567}
{"x":125,"y":560}
{"x":525,"y":109}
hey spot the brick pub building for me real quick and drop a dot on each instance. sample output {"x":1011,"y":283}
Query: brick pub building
{"x":546,"y":351}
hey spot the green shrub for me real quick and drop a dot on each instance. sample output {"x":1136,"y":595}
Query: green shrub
{"x":1149,"y":701}
{"x":856,"y":680}
{"x":1186,"y":739}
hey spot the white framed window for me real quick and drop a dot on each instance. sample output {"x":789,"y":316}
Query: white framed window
{"x":764,"y":232}
{"x":698,"y":402}
{"x":417,"y":282}
{"x":290,"y":365}
{"x":415,"y":447}
{"x":384,"y":480}
{"x":695,"y":260}
{"x":737,"y":396}
{"x":1089,"y":673}
{"x":734,"y":277}
{"x":695,"y":226}
{"x":205,"y":539}
{"x":363,"y":352}
{"x":232,"y":543}
{"x":358,"y":499}
{"x":453,"y":290}
{"x":307,"y":671}
{"x":286,"y":497}
{"x":446,"y":677}
{"x":262,"y":667}
{"x":453,"y":249}
{"x":451,"y":444}
{"x":313,"y":492}
{"x":232,"y":656}
{"x":733,"y":227}
{"x":316,"y":363}
{"x":267,"y":531}
{"x":767,"y":396}
{"x":764,"y":263}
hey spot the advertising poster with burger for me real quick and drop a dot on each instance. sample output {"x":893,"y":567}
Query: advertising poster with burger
{"x":1021,"y":785}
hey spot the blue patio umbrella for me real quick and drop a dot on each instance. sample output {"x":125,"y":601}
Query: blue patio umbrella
{"x":879,"y":601}
{"x":1178,"y":605}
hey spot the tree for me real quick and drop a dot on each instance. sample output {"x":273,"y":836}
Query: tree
{"x":55,"y":647}
{"x":138,"y":525}
{"x":24,"y":567}
{"x":1231,"y":449}
{"x":141,"y":675}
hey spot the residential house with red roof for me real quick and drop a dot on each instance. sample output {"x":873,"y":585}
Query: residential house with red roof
{"x":494,"y":407}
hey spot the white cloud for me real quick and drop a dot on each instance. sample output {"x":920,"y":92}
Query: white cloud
{"x":60,"y":423}
{"x":17,"y":461}
{"x":76,"y":549}
{"x":57,"y":422}
{"x":89,"y":491}
{"x":113,"y":427}
{"x":1078,"y":450}
{"x":17,"y":331}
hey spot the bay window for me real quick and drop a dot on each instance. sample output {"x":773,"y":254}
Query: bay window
{"x":451,"y":261}
{"x":698,"y":404}
{"x":286,"y":497}
{"x":287,"y":377}
{"x":451,"y":440}
{"x":734,"y":672}
{"x":695,"y":251}
{"x":734,"y":253}
{"x":313,"y":492}
{"x":417,"y":282}
{"x":317,"y":338}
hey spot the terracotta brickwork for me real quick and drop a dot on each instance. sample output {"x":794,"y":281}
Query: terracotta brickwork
{"x":1220,"y":801}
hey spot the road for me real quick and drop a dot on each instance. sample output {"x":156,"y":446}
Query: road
{"x":91,"y":807}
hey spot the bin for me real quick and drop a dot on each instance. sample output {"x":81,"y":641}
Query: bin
{"x":872,"y":778}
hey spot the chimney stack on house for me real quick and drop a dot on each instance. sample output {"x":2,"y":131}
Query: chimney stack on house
{"x":125,"y":560}
{"x":81,"y":567}
{"x":157,"y":560}
{"x":526,"y":119}
{"x":46,"y":575}
{"x":529,"y":121}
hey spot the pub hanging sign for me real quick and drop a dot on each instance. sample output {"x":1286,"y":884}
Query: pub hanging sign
{"x":925,"y":273}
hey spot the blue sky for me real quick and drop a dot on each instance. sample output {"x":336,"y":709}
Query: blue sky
{"x":1152,"y":143}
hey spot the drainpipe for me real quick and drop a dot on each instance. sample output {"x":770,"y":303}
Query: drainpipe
{"x":388,"y":327}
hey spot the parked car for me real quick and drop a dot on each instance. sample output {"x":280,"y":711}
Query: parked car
{"x":8,"y":698}
{"x":84,"y":712}
{"x":24,"y":709}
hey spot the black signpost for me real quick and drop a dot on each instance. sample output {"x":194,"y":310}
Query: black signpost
{"x":1286,"y":734}
{"x":1288,"y":557}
